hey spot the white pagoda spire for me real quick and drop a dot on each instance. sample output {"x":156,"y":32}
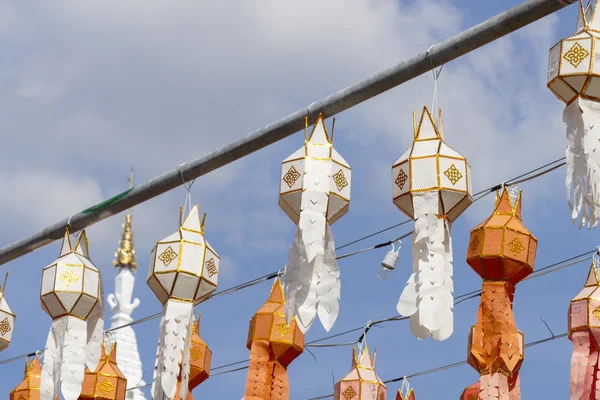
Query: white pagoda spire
{"x":121,"y":305}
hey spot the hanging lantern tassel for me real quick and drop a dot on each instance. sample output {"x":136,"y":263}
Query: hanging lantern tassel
{"x":314,"y":193}
{"x":72,"y":295}
{"x":183,"y":273}
{"x":273,"y":345}
{"x":573,"y":77}
{"x":432,"y":185}
{"x":502,"y":251}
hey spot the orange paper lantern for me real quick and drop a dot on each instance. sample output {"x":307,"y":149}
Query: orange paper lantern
{"x":29,"y":388}
{"x":502,"y":251}
{"x":273,"y":345}
{"x":107,"y":382}
{"x":200,"y":357}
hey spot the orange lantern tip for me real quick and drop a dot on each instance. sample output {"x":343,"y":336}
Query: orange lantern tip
{"x":410,"y":396}
{"x":503,"y":205}
{"x":277,"y":292}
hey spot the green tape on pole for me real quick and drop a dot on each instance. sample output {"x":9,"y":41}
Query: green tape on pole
{"x":106,"y":203}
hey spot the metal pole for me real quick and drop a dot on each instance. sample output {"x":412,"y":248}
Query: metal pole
{"x":448,"y":50}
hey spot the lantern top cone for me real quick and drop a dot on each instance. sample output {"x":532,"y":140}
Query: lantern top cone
{"x":409,"y":396}
{"x":430,"y":165}
{"x":29,"y":388}
{"x":362,"y":381}
{"x":107,"y":382}
{"x":501,"y":248}
{"x":269,"y":324}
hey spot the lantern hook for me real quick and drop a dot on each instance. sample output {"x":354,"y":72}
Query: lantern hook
{"x":188,"y":189}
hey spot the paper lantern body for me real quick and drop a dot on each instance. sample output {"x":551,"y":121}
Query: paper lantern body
{"x":29,"y":388}
{"x":269,"y":324}
{"x":200,"y":358}
{"x":318,"y":147}
{"x":362,"y":383}
{"x":183,"y":265}
{"x":584,"y":311}
{"x":409,"y":396}
{"x":431,"y":165}
{"x":7,"y":323}
{"x":501,"y":247}
{"x":574,"y":62}
{"x":471,"y":392}
{"x":70,"y":285}
{"x":107,"y":382}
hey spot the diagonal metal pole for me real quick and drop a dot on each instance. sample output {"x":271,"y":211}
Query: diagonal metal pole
{"x":439,"y":54}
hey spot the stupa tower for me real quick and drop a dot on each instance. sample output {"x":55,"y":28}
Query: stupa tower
{"x":121,"y":306}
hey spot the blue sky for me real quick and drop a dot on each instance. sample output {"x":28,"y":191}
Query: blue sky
{"x":88,"y":89}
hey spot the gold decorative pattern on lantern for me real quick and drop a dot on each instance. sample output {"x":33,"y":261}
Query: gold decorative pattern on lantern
{"x":453,"y":174}
{"x":349,"y":393}
{"x":21,"y":397}
{"x":340,"y":180}
{"x":283,"y":328}
{"x":401,"y":179}
{"x":4,"y":327}
{"x":576,"y":55}
{"x":291,"y":176}
{"x":211,"y":267}
{"x":195,"y":353}
{"x":167,"y":256}
{"x":515,"y":246}
{"x":106,"y":386}
{"x":68,"y":277}
{"x":596,"y":312}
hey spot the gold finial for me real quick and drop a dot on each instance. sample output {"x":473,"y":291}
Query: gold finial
{"x":126,"y":253}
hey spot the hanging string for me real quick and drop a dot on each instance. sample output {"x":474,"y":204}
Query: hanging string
{"x":188,"y":191}
{"x":405,"y":387}
{"x":436,"y":77}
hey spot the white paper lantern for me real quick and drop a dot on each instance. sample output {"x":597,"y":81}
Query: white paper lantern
{"x":574,"y":78}
{"x":72,"y":296}
{"x":432,"y":185}
{"x":184,"y":271}
{"x":7,"y":322}
{"x":314,"y":192}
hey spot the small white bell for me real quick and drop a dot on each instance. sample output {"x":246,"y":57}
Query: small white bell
{"x":389,"y":263}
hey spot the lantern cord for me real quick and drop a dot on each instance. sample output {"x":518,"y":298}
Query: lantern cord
{"x":513,"y":181}
{"x":436,"y":77}
{"x":448,"y":366}
{"x":188,"y":189}
{"x":458,"y":299}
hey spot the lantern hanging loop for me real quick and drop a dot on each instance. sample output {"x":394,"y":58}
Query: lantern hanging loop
{"x":405,"y":387}
{"x":188,"y":190}
{"x":362,"y":340}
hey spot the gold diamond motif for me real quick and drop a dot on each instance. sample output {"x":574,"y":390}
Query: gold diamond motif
{"x":515,"y":246}
{"x":596,"y":313}
{"x":283,"y":328}
{"x":4,"y":327}
{"x":21,"y":397}
{"x":195,"y":353}
{"x":382,"y":395}
{"x":211,"y":267}
{"x":401,"y":179}
{"x":291,"y":176}
{"x":340,"y":180}
{"x":453,"y":174}
{"x":349,"y":393}
{"x":106,"y":386}
{"x":576,"y":55}
{"x":167,"y":256}
{"x":68,"y":277}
